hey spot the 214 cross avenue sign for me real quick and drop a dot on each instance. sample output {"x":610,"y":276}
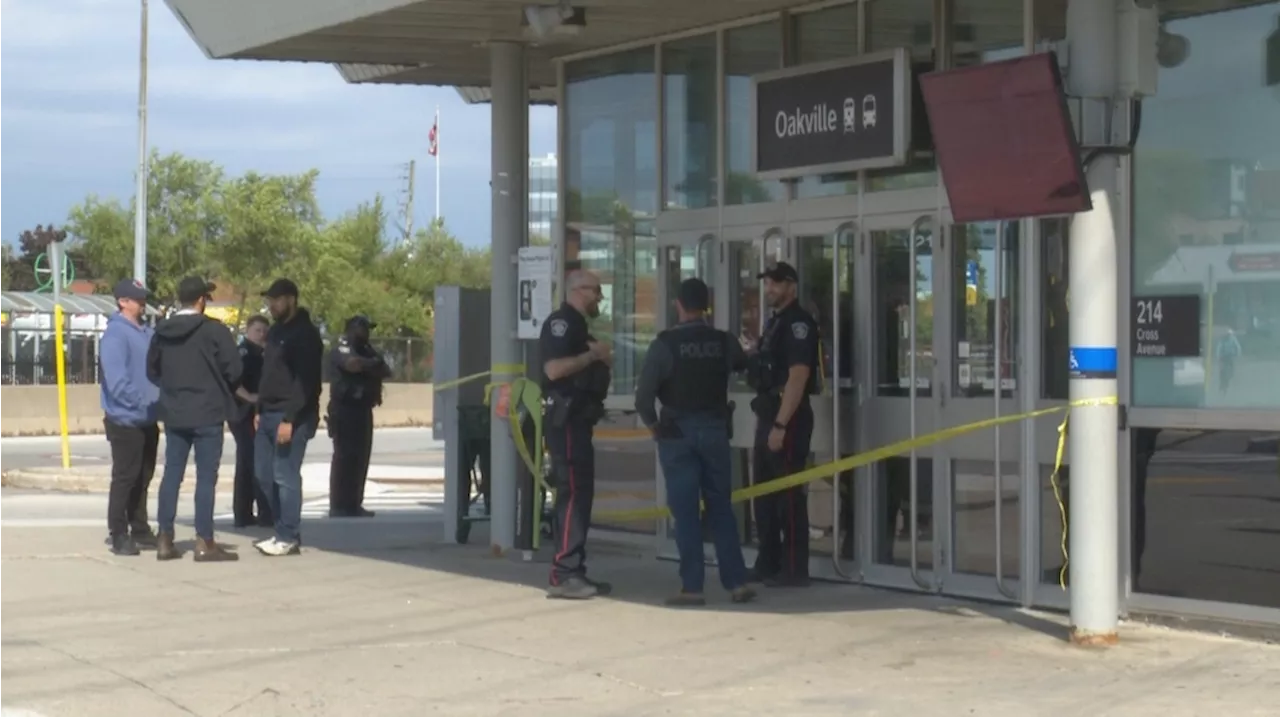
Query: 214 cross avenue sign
{"x":832,"y":117}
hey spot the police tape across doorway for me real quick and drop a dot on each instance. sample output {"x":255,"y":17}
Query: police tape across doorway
{"x":523,"y":394}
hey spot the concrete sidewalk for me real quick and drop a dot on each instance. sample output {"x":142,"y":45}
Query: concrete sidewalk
{"x":315,"y":478}
{"x":377,"y":618}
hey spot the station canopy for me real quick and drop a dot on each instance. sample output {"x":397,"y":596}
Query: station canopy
{"x":435,"y":42}
{"x":32,"y":302}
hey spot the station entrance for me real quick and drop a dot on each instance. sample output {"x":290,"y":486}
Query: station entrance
{"x":923,"y":329}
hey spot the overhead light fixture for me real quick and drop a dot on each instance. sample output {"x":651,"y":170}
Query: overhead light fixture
{"x":559,"y":19}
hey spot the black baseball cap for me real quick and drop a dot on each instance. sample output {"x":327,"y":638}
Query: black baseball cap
{"x":281,"y":287}
{"x":131,"y":289}
{"x":193,"y":289}
{"x":782,"y":271}
{"x":361,"y":319}
{"x":694,"y":295}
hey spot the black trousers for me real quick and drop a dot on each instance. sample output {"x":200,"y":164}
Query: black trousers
{"x":782,"y":518}
{"x":133,"y":463}
{"x":573,"y":463}
{"x":248,"y":491}
{"x":351,"y":426}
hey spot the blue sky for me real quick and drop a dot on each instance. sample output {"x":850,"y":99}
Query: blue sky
{"x":69,"y":114}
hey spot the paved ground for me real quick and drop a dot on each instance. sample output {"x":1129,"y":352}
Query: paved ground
{"x":376,"y":617}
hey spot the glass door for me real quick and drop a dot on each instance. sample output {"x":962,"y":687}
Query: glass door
{"x":897,"y":360}
{"x":979,"y":350}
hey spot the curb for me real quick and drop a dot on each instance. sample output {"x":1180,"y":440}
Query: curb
{"x":71,"y":483}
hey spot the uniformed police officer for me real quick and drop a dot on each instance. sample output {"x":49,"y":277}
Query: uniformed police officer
{"x":575,"y":382}
{"x":354,"y":390}
{"x":783,"y":372}
{"x":687,"y":367}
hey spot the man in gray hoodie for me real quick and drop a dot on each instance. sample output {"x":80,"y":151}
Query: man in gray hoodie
{"x":129,"y":416}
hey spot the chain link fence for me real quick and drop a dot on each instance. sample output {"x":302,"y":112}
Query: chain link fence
{"x":29,"y":357}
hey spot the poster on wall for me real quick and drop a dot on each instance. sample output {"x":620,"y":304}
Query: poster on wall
{"x":533,"y":278}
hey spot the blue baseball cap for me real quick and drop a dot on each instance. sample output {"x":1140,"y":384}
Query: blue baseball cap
{"x":131,"y":289}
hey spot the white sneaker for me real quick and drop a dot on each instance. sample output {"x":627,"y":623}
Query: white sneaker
{"x":275,"y":548}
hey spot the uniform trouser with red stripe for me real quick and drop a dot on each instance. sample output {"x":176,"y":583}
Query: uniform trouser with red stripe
{"x":573,"y":462}
{"x":782,"y":518}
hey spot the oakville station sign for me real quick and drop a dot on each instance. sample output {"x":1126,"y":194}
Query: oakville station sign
{"x":832,"y":117}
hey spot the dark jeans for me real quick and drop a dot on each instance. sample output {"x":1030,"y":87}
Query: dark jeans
{"x":352,"y":429}
{"x":248,"y":491}
{"x":179,"y":443}
{"x":573,"y":461}
{"x":698,"y":466}
{"x":280,"y":471}
{"x":133,"y":463}
{"x":782,"y":518}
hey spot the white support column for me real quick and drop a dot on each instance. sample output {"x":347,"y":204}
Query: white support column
{"x":1093,"y":511}
{"x":510,"y":106}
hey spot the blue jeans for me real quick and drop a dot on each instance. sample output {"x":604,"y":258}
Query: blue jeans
{"x":697,"y":465}
{"x":279,"y":471}
{"x":178,"y":444}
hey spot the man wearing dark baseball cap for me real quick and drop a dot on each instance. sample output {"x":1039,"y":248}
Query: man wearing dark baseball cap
{"x":195,"y":362}
{"x":288,"y":412}
{"x":783,"y":372}
{"x":128,"y":401}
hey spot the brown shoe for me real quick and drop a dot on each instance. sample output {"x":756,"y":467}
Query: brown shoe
{"x":165,"y":549}
{"x":208,"y":551}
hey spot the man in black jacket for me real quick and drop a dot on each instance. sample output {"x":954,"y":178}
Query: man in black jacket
{"x":288,"y":412}
{"x":194,"y":361}
{"x":248,"y":490}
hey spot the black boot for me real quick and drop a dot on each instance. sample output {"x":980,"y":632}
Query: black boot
{"x":123,"y":545}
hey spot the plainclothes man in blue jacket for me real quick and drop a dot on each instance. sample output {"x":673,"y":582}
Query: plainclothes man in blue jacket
{"x":129,"y":408}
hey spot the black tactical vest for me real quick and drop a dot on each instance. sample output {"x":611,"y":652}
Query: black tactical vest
{"x":699,"y":381}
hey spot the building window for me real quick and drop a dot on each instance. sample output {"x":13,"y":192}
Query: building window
{"x":612,"y":197}
{"x":748,"y":51}
{"x":1208,"y":135}
{"x":689,"y":127}
{"x":903,"y":23}
{"x":821,"y":36}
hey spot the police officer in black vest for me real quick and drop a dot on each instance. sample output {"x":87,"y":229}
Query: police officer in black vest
{"x":687,"y":368}
{"x":354,"y":390}
{"x":248,"y":490}
{"x":783,"y":370}
{"x":576,"y":375}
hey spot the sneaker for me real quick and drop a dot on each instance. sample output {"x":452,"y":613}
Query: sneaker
{"x":602,"y":588}
{"x":743,"y":594}
{"x":276,"y":548}
{"x":124,"y":545}
{"x":574,"y":588}
{"x":685,"y":599}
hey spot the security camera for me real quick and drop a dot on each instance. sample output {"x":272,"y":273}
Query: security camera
{"x":1172,"y":49}
{"x":543,"y":19}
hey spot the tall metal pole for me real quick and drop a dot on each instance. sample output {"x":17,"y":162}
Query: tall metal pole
{"x":1094,"y":547}
{"x":510,"y":104}
{"x":140,"y":194}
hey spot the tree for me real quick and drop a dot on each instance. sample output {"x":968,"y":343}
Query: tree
{"x":20,"y":267}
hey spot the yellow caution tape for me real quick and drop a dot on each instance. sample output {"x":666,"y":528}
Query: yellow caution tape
{"x":508,"y":369}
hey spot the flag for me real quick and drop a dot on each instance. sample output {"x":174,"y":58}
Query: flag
{"x":433,"y":139}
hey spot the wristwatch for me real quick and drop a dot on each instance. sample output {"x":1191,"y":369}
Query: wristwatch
{"x":780,"y":426}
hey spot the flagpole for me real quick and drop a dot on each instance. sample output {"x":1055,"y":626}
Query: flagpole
{"x":437,"y":163}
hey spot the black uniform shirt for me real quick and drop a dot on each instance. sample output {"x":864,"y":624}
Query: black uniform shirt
{"x":251,"y":378}
{"x":564,"y":335}
{"x":791,"y":339}
{"x":362,"y":387}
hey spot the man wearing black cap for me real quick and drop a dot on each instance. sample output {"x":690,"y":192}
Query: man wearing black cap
{"x":783,"y":372}
{"x":195,"y":362}
{"x":129,"y":416}
{"x":288,"y":412}
{"x":356,"y":387}
{"x":687,"y":367}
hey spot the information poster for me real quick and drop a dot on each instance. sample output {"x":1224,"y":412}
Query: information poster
{"x":534,"y":290}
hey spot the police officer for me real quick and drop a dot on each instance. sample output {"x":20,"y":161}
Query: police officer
{"x":248,"y":490}
{"x":783,"y":372}
{"x":356,"y":387}
{"x":575,"y":382}
{"x":687,"y":367}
